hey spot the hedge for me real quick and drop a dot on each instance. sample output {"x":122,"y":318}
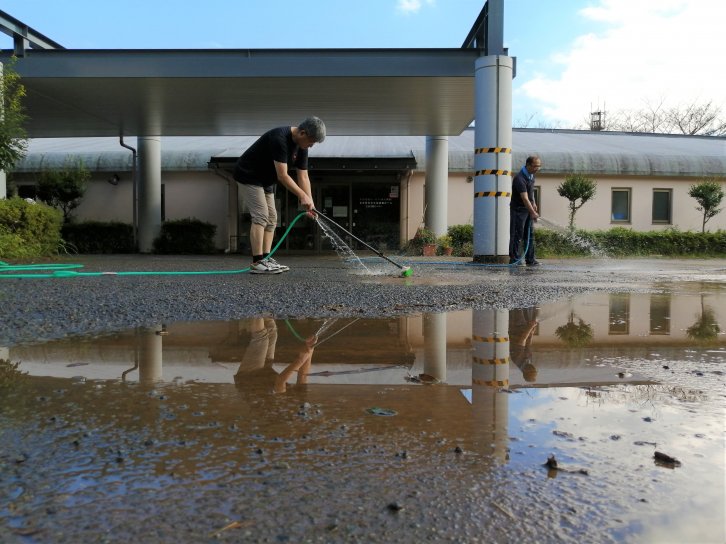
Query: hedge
{"x":28,"y":229}
{"x":186,"y":236}
{"x":99,"y":237}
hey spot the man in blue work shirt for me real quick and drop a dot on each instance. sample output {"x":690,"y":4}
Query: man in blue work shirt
{"x":523,"y":212}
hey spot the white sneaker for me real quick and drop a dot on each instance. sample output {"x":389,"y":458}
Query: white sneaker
{"x":262,"y":267}
{"x":274,"y":263}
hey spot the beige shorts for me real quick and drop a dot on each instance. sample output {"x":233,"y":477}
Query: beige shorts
{"x":260,"y":204}
{"x":261,"y":348}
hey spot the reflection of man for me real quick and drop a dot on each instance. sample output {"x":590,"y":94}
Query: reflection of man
{"x":256,"y":366}
{"x":522,"y":324}
{"x":257,"y":362}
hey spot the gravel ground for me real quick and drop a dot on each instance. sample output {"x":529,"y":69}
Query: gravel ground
{"x":92,"y":461}
{"x":41,"y":309}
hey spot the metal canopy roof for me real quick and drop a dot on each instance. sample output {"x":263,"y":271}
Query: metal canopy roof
{"x":72,"y":93}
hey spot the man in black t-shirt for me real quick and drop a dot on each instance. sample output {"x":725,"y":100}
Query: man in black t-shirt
{"x":259,"y":169}
{"x":523,"y":212}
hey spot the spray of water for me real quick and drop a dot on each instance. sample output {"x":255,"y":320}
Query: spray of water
{"x":574,"y":239}
{"x":341,"y":248}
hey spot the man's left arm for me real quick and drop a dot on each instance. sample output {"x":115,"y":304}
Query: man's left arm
{"x":303,"y":181}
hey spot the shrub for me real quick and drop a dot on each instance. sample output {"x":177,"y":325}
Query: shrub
{"x":99,"y":237}
{"x":186,"y":236}
{"x":460,"y":235}
{"x":28,"y":229}
{"x":466,"y":250}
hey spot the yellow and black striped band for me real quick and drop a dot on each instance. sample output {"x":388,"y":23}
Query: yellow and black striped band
{"x":498,"y":361}
{"x":490,"y":338}
{"x":479,"y":150}
{"x":492,"y":383}
{"x":491,"y":193}
{"x":493,"y":172}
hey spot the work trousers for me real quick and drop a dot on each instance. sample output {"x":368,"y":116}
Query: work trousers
{"x":520,"y":230}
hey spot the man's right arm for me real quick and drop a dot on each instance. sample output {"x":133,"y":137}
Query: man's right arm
{"x":289,"y":183}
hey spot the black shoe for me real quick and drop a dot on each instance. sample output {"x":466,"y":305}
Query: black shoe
{"x":533,"y":263}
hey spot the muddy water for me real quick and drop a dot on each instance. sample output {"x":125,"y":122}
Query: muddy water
{"x":431,"y":427}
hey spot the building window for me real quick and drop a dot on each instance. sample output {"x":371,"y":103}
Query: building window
{"x":619,"y":315}
{"x":662,"y":199}
{"x":163,"y":202}
{"x":620,"y":209}
{"x":27,"y":191}
{"x":660,"y":314}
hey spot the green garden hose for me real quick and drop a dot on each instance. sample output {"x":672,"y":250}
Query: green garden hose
{"x":67,"y":270}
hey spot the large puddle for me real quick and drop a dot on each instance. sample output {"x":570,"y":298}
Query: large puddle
{"x":427,"y":427}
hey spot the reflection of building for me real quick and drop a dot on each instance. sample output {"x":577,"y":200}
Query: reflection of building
{"x":457,"y":348}
{"x":634,"y":319}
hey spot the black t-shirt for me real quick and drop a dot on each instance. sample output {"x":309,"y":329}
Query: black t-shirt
{"x":256,"y":165}
{"x":521,"y":184}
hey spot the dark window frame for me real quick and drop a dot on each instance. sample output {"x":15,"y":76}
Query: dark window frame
{"x":668,"y":221}
{"x":629,"y":192}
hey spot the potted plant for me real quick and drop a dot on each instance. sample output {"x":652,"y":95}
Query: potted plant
{"x":446,"y":243}
{"x":426,"y":240}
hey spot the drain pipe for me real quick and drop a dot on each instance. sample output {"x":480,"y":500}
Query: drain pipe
{"x":135,"y":192}
{"x":216,"y":170}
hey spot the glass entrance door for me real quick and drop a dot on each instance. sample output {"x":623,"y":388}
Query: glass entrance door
{"x":334,"y":202}
{"x":369,"y":209}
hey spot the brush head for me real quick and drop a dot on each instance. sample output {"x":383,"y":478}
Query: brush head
{"x":406,"y":272}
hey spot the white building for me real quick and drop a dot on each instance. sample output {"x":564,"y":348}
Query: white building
{"x":374,"y":185}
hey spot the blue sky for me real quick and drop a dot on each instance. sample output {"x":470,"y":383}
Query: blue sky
{"x":571,"y":54}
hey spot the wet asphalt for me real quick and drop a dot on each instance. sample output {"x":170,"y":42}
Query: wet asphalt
{"x":38,"y":309}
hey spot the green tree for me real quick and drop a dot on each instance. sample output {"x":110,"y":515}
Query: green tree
{"x":575,"y":335}
{"x":64,"y":188}
{"x":577,"y":187}
{"x":13,"y":140}
{"x":708,"y":194}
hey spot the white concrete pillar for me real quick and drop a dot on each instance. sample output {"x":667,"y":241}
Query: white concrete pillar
{"x":492,"y":157}
{"x":490,"y":372}
{"x":434,"y":330}
{"x":437,"y":184}
{"x":149,"y":191}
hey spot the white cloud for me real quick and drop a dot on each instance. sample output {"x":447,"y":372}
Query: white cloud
{"x":411,"y":6}
{"x":646,"y":52}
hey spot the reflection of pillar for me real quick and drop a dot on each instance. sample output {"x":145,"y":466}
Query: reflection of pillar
{"x":490,"y":371}
{"x":5,"y":353}
{"x":148,"y":348}
{"x":434,"y":329}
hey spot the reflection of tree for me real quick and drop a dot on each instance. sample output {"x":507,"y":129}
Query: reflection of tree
{"x":706,"y":328}
{"x":575,"y":335}
{"x":10,"y":376}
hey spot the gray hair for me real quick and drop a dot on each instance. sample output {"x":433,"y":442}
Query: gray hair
{"x":313,"y":127}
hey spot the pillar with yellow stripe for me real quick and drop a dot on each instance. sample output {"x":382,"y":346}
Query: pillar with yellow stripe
{"x":489,"y":374}
{"x":492,"y":158}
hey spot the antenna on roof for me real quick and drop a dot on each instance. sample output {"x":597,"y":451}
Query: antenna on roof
{"x":597,"y":119}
